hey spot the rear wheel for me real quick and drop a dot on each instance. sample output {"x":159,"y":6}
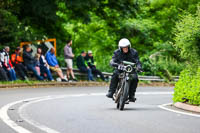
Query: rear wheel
{"x":124,"y":95}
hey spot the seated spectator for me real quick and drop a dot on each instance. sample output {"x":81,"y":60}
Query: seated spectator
{"x":7,"y":65}
{"x":3,"y":75}
{"x":90,"y":61}
{"x":37,"y":63}
{"x":83,"y":67}
{"x":44,"y":67}
{"x":17,"y":62}
{"x":53,"y":64}
{"x":29,"y":62}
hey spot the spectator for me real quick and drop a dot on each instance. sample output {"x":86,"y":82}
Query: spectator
{"x":17,"y":62}
{"x":44,"y":67}
{"x":83,"y":67}
{"x":30,"y":62}
{"x":7,"y":65}
{"x":53,"y":64}
{"x":90,"y":61}
{"x":37,"y":63}
{"x":3,"y":75}
{"x":69,"y":59}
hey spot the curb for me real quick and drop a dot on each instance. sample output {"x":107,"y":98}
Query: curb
{"x":70,"y":84}
{"x":53,"y":84}
{"x":187,"y":107}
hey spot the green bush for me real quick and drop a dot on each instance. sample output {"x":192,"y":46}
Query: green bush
{"x":187,"y":32}
{"x":187,"y":37}
{"x":163,"y":62}
{"x":187,"y":89}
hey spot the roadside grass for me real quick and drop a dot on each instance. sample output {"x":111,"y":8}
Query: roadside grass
{"x":29,"y":82}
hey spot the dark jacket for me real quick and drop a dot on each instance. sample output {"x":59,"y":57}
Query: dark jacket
{"x":90,"y":61}
{"x":80,"y":62}
{"x":131,"y":56}
{"x":28,"y":58}
{"x":43,"y":61}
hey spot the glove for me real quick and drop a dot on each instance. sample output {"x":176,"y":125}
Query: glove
{"x":120,"y":67}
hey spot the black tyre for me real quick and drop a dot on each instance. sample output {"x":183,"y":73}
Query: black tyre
{"x":118,"y":105}
{"x":124,"y":96}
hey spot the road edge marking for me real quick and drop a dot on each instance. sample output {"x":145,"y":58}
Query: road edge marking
{"x":12,"y":124}
{"x":163,"y":106}
{"x":32,"y":122}
{"x":6,"y":119}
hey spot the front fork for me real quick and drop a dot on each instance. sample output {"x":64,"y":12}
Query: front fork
{"x":119,"y":90}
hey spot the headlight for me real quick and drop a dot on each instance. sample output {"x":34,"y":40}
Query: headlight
{"x":129,"y":68}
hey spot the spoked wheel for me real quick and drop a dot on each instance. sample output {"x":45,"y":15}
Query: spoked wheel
{"x":124,"y":96}
{"x":121,"y":104}
{"x":118,"y":105}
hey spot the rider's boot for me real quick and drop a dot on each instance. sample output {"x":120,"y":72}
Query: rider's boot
{"x":110,"y":94}
{"x":132,"y":90}
{"x":113,"y":85}
{"x":132,"y":99}
{"x":132,"y":96}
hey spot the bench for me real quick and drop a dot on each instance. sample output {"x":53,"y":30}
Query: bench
{"x":82,"y":75}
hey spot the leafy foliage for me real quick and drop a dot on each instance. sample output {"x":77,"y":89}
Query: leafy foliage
{"x":98,"y":25}
{"x":9,"y":29}
{"x":187,"y":89}
{"x":187,"y":38}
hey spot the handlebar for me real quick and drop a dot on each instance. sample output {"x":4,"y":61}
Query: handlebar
{"x":128,"y":63}
{"x":129,"y":66}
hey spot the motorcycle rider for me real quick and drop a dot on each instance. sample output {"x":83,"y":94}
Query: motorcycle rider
{"x":124,"y":53}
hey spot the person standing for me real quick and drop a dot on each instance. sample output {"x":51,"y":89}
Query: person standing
{"x":17,"y":62}
{"x":5,"y":59}
{"x":83,"y":67}
{"x":69,"y":59}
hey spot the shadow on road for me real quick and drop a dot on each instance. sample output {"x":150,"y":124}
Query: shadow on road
{"x":136,"y":109}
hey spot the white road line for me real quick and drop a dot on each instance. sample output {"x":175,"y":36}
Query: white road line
{"x":155,"y":93}
{"x":138,"y":93}
{"x":163,"y":106}
{"x":44,"y":128}
{"x":25,"y":116}
{"x":19,"y":129}
{"x":12,"y":124}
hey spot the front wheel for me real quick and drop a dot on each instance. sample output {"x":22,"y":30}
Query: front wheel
{"x":118,"y":105}
{"x":124,"y":96}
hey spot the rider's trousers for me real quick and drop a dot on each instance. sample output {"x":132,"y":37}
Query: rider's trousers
{"x":115,"y":80}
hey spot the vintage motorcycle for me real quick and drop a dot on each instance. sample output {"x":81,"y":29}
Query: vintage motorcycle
{"x":122,"y":92}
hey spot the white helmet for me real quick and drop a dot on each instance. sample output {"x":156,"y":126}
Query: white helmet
{"x":124,"y":43}
{"x":89,"y":52}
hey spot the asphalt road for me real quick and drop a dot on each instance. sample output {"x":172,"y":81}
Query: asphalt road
{"x":87,"y":110}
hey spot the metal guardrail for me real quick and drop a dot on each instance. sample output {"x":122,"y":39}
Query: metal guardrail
{"x":142,"y":78}
{"x":148,"y":78}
